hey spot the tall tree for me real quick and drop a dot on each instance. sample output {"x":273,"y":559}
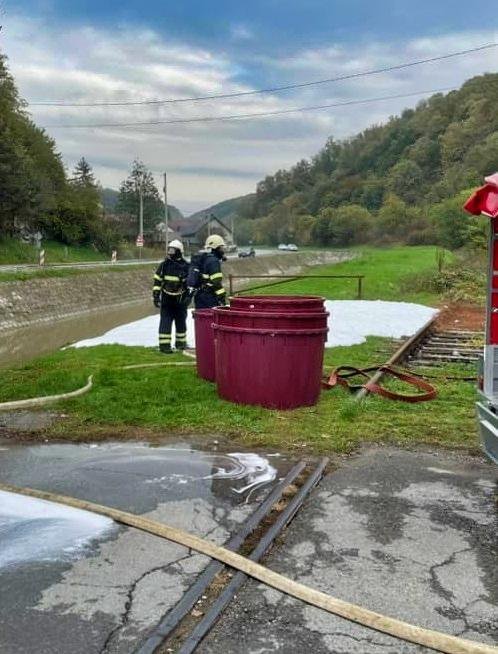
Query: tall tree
{"x":139,"y":179}
{"x":83,"y":174}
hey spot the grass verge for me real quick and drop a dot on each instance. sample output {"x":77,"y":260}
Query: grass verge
{"x":161,"y":401}
{"x":385,"y":270}
{"x":47,"y":273}
{"x":166,"y":400}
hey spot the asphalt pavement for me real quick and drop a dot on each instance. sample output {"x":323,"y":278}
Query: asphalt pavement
{"x":408,"y":534}
{"x":62,"y":594}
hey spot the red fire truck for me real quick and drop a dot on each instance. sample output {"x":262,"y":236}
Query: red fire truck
{"x":485,"y":202}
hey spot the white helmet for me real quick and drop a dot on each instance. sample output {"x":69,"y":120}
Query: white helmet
{"x":178,"y":245}
{"x":214,"y":241}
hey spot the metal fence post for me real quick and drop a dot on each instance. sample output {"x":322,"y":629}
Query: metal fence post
{"x":230,"y":283}
{"x":360,"y":287}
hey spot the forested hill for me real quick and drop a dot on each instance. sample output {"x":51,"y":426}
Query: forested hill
{"x":227,"y":209}
{"x":391,"y":181}
{"x":110,"y":201}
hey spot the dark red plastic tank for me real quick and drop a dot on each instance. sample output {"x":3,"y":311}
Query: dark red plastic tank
{"x":285,"y":303}
{"x":204,"y":344}
{"x":276,"y":369}
{"x":270,"y":319}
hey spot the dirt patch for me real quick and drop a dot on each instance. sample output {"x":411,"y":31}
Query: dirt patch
{"x":461,"y":317}
{"x":27,"y":421}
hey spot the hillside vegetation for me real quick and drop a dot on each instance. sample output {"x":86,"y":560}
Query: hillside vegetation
{"x":403,"y":181}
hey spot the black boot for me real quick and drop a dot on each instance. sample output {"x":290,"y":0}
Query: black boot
{"x":165,"y":349}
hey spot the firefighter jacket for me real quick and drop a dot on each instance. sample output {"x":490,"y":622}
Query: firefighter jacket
{"x":212,"y":277}
{"x":170,"y":279}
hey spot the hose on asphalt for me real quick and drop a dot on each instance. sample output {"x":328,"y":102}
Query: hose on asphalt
{"x":392,"y":626}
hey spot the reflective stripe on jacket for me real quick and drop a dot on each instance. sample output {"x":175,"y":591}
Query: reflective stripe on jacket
{"x":170,"y":277}
{"x":213,"y":277}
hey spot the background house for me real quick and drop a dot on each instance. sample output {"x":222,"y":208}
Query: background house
{"x":193,"y":233}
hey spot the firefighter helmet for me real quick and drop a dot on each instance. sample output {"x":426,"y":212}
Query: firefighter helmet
{"x":178,"y":245}
{"x":214,"y":241}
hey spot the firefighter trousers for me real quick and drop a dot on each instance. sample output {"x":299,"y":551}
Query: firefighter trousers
{"x":173,"y":311}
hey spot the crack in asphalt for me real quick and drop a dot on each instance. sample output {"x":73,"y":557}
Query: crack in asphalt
{"x":125,"y":615}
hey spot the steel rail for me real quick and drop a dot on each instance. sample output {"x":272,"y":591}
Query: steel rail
{"x":400,"y":355}
{"x":173,"y":618}
{"x":257,"y":554}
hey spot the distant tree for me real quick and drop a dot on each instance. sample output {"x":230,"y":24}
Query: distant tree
{"x":405,"y":180}
{"x":451,"y":222}
{"x":346,"y":225}
{"x":83,"y":174}
{"x":129,"y":196}
{"x":398,"y":222}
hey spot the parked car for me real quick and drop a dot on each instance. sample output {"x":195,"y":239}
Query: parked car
{"x":292,"y":247}
{"x":283,"y":246}
{"x":247,"y":253}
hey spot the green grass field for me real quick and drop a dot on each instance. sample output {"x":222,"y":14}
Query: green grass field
{"x":386,"y":276}
{"x":13,"y":251}
{"x":162,"y":401}
{"x":174,"y":400}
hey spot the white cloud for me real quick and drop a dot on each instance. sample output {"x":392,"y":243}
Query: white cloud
{"x":208,"y":162}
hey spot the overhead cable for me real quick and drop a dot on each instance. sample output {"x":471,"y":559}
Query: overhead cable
{"x":275,"y":89}
{"x":209,"y":119}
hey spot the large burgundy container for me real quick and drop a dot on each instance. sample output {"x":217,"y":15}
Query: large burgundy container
{"x":285,"y":303}
{"x":204,"y":344}
{"x":276,"y":369}
{"x":270,"y":319}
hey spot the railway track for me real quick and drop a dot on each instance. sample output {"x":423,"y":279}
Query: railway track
{"x":447,"y":346}
{"x":184,"y":627}
{"x":431,"y":347}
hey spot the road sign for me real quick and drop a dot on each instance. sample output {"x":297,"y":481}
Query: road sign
{"x":140,"y":241}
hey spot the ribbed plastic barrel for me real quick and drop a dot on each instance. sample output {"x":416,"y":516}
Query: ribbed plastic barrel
{"x":270,"y":319}
{"x":204,"y":344}
{"x":285,"y":303}
{"x":276,"y":369}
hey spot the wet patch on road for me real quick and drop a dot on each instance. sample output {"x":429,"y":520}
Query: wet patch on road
{"x":104,"y":593}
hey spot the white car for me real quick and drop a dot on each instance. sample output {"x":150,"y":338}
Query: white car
{"x":292,"y":247}
{"x":282,"y":246}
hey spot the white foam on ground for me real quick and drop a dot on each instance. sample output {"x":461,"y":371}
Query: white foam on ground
{"x":350,"y":322}
{"x":36,"y":530}
{"x":255,"y":470}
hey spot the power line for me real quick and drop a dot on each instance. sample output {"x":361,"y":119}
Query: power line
{"x":274,"y":89}
{"x":209,"y":119}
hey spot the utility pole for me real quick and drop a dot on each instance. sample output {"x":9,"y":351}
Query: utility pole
{"x":165,"y":189}
{"x":141,"y":216}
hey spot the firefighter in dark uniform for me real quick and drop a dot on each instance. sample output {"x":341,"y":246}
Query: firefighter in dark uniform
{"x":169,"y":294}
{"x":210,"y":291}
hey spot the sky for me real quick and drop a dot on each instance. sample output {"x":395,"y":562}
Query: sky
{"x":89,"y":51}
